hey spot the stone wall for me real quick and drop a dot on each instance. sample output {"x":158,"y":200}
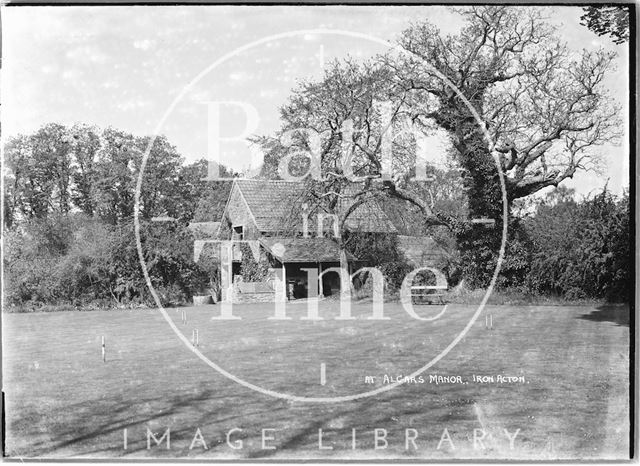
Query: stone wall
{"x":254,"y":297}
{"x":253,"y":292}
{"x":238,"y":214}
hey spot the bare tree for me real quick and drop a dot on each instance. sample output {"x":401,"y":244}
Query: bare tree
{"x":341,"y":119}
{"x":544,"y":106}
{"x":338,"y":119}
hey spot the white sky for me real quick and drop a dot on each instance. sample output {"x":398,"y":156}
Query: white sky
{"x":123,"y":66}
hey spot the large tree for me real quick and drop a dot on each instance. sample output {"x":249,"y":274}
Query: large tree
{"x":544,"y":106}
{"x":40,"y":175}
{"x":541,"y":113}
{"x":59,"y":170}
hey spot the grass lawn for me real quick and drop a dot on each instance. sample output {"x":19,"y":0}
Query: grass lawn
{"x":62,"y":400}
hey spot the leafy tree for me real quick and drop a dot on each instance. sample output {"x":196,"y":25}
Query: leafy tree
{"x":114,"y":182}
{"x":84,"y":145}
{"x":209,"y":198}
{"x":16,"y":151}
{"x":59,"y":169}
{"x":41,"y":170}
{"x":69,"y":208}
{"x":612,"y":20}
{"x":117,"y":172}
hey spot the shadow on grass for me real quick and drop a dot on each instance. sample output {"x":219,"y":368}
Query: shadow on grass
{"x":95,"y":419}
{"x":393,"y":409}
{"x":616,"y":313}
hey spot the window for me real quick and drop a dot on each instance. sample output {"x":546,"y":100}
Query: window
{"x":238,"y":233}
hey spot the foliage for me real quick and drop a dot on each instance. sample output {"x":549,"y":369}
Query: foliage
{"x":582,"y":249}
{"x":478,"y":256}
{"x":252,"y":270}
{"x":79,"y":260}
{"x":69,"y":205}
{"x":56,"y":259}
{"x":168,"y":254}
{"x":515,"y":266}
{"x":62,"y":169}
{"x":476,"y":261}
{"x":209,"y":262}
{"x":381,"y":251}
{"x":608,"y":20}
{"x":212,"y":197}
{"x":69,"y":199}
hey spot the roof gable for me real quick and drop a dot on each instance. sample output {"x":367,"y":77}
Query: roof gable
{"x":270,"y":202}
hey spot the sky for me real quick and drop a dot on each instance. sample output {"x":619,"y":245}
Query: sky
{"x":134,"y":67}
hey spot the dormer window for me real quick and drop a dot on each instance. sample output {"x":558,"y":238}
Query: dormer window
{"x":238,"y":233}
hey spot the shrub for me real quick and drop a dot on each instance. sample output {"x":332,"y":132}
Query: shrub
{"x":381,"y":251}
{"x":80,"y":261}
{"x":581,"y":249}
{"x":252,"y":270}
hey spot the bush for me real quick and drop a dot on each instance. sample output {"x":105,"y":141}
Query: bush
{"x":80,"y":261}
{"x":571,"y":249}
{"x":478,"y":254}
{"x":252,"y":270}
{"x":381,"y":251}
{"x":581,"y":249}
{"x":55,"y":260}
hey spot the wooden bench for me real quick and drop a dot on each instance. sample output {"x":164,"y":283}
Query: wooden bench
{"x":427,"y":293}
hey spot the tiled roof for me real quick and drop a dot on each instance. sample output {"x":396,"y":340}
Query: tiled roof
{"x":420,"y":250}
{"x":271,"y":202}
{"x":304,"y":249}
{"x":277,"y":205}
